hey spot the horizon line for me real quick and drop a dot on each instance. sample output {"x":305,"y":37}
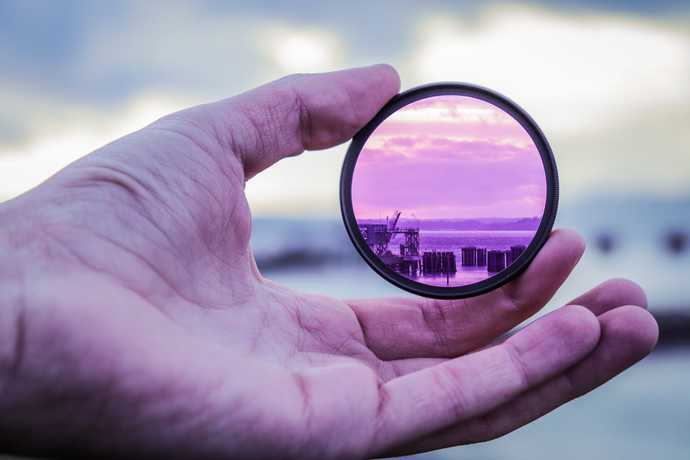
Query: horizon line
{"x":450,"y":218}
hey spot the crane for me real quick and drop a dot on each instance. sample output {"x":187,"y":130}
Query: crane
{"x":378,"y":236}
{"x":392,"y":225}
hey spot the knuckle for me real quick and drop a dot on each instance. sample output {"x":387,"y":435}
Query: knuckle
{"x":439,"y":318}
{"x":450,"y":383}
{"x":434,"y":318}
{"x":519,"y":367}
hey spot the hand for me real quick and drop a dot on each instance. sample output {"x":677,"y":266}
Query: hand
{"x":134,"y":322}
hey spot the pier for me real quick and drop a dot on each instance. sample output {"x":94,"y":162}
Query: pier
{"x":379,"y":236}
{"x":473,"y":256}
{"x":441,"y":262}
{"x":411,"y":262}
{"x":496,"y":261}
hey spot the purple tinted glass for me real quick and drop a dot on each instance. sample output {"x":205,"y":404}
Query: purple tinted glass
{"x":449,"y":190}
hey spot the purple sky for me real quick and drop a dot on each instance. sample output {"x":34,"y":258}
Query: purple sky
{"x":449,"y":157}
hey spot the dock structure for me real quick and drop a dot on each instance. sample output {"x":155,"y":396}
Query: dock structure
{"x":409,"y":261}
{"x":378,"y":237}
{"x":439,"y":262}
{"x":513,"y":253}
{"x":516,"y":251}
{"x":481,"y":257}
{"x":509,"y":257}
{"x":473,"y":256}
{"x":406,"y":265}
{"x":410,"y":266}
{"x":496,"y":261}
{"x":469,"y":256}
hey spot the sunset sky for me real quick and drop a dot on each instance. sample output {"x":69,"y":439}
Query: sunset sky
{"x":449,"y":157}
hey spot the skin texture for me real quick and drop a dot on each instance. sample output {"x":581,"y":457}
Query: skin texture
{"x":134,"y":322}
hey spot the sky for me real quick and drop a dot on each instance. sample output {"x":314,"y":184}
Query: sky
{"x":449,"y":157}
{"x":606,"y":81}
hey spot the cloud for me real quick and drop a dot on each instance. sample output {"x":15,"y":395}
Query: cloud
{"x":449,"y":157}
{"x":56,"y":143}
{"x":608,"y":87}
{"x":610,"y":91}
{"x":424,"y":150}
{"x":458,"y":179}
{"x":106,"y":73}
{"x":573,"y":71}
{"x":451,"y":109}
{"x":104,"y":60}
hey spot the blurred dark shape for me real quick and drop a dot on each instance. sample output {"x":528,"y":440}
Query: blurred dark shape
{"x":605,"y":242}
{"x":676,"y":241}
{"x":674,"y":327}
{"x":296,"y":258}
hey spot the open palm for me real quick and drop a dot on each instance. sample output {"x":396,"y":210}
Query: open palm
{"x":134,"y":322}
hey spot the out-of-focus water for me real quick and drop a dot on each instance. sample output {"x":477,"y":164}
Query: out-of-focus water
{"x":643,"y":414}
{"x":641,"y":234}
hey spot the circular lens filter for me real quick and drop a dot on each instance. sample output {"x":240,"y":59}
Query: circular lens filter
{"x":450,"y":191}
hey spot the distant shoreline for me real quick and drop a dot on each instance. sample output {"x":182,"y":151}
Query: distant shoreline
{"x":488,"y":223}
{"x":674,"y":327}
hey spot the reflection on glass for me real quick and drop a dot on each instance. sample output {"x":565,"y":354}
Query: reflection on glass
{"x":449,"y":190}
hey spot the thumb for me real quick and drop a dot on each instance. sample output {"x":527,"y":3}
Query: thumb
{"x":296,"y":113}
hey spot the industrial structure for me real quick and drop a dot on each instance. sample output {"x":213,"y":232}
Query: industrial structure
{"x":379,"y":236}
{"x":409,"y":261}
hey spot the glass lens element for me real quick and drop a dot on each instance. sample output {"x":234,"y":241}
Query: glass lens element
{"x":449,"y":190}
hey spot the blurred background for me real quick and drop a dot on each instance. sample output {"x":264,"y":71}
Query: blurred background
{"x":609,"y":83}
